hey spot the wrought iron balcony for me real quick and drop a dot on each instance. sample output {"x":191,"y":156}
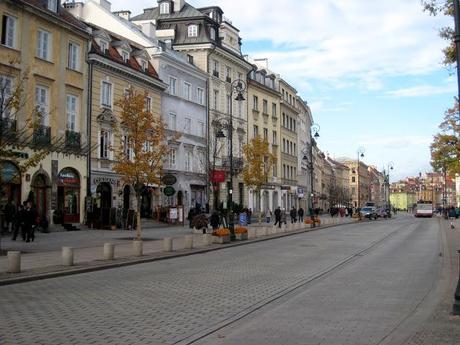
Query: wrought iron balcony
{"x":7,"y":128}
{"x":237,"y":164}
{"x":72,"y":140}
{"x":42,"y":136}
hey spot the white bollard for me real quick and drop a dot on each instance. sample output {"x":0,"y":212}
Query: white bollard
{"x":109,"y":251}
{"x":67,"y":256}
{"x":188,"y":242}
{"x":137,"y":248}
{"x":14,"y":262}
{"x":207,"y":239}
{"x":168,"y":244}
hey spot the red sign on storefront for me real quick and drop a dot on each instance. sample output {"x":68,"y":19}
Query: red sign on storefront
{"x":218,"y":176}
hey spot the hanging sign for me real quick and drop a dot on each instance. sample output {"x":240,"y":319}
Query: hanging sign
{"x":169,"y":191}
{"x":169,"y":179}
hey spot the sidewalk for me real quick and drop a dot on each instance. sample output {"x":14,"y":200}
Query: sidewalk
{"x":441,"y":327}
{"x":44,"y":255}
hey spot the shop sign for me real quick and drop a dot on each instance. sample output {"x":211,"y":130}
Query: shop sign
{"x":104,"y":179}
{"x":169,"y":191}
{"x":285,"y":187}
{"x":68,"y":178}
{"x":169,"y":179}
{"x":218,"y":176}
{"x":10,"y":173}
{"x":268,"y":186}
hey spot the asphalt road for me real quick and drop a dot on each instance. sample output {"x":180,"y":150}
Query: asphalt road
{"x":353,"y":284}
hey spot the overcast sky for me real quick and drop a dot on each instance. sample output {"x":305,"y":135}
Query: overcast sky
{"x":370,"y":70}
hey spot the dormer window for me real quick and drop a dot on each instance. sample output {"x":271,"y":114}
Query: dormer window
{"x":125,"y":56}
{"x":52,"y":5}
{"x":164,"y":8}
{"x":193,"y":30}
{"x":104,"y":46}
{"x":212,"y":34}
{"x":144,"y":65}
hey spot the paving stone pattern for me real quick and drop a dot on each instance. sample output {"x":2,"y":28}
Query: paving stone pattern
{"x":166,"y":302}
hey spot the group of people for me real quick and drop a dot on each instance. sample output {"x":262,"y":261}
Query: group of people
{"x":22,"y":219}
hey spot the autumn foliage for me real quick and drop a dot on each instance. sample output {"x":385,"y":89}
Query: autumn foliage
{"x":258,"y":163}
{"x":143,"y":146}
{"x":445,"y":149}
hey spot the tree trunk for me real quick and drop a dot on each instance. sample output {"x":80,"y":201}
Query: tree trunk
{"x":138,"y":216}
{"x":260,"y":206}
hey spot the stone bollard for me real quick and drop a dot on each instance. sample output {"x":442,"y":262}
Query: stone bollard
{"x":67,"y":256}
{"x":14,"y":262}
{"x":168,"y":244}
{"x":109,"y":251}
{"x":188,"y":242}
{"x":137,"y":248}
{"x":207,"y":239}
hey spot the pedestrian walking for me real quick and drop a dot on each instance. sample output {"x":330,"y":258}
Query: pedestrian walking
{"x":10,"y":215}
{"x":29,"y":221}
{"x":278,"y":217}
{"x":452,"y":217}
{"x":300,"y":213}
{"x":249,"y":213}
{"x":190,"y":215}
{"x":19,"y":224}
{"x":214,"y":220}
{"x":293,"y":214}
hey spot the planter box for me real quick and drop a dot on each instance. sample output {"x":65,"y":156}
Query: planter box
{"x":220,"y":239}
{"x":241,"y":237}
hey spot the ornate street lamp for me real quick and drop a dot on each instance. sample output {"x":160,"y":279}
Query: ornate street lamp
{"x":314,"y":134}
{"x":237,"y":87}
{"x":360,"y":153}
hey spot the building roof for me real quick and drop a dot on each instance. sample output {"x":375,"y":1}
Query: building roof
{"x":113,"y":55}
{"x":187,"y":11}
{"x":62,"y":14}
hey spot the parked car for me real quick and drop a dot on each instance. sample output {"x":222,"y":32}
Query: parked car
{"x":369,"y":212}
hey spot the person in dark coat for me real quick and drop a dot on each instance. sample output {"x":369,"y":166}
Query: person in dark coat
{"x":214,"y":220}
{"x":190,"y":215}
{"x":19,"y":224}
{"x":28,"y":220}
{"x":278,"y":217}
{"x":10,"y":215}
{"x":293,"y":214}
{"x":452,"y":217}
{"x":300,"y":213}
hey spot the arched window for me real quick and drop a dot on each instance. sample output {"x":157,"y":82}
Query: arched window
{"x":193,"y":30}
{"x":164,"y":8}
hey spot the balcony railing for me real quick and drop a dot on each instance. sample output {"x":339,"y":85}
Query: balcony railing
{"x":42,"y":135}
{"x":7,"y":128}
{"x":72,"y":139}
{"x":237,"y":164}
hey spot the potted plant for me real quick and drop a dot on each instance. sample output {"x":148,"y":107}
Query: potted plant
{"x":221,"y":236}
{"x":241,"y":233}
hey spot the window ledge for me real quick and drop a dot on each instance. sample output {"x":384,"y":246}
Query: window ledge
{"x":47,"y":61}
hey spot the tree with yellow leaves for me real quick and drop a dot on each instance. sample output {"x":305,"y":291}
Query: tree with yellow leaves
{"x":139,"y":159}
{"x":258,"y":165}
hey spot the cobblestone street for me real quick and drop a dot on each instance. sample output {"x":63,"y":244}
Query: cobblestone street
{"x":182,"y":299}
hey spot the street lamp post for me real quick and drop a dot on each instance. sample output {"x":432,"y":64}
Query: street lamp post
{"x":314,"y":134}
{"x":360,"y":155}
{"x":390,"y":166}
{"x":238,"y":86}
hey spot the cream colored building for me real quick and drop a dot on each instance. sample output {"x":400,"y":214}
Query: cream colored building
{"x":289,"y":113}
{"x":358,"y":181}
{"x":43,"y":42}
{"x":264,"y":121}
{"x":212,"y":44}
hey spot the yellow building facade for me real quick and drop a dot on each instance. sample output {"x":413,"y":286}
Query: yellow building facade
{"x":263,"y":120}
{"x":116,"y":65}
{"x":45,"y":48}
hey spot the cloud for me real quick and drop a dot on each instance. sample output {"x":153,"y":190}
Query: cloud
{"x":423,"y":90}
{"x":343,"y":43}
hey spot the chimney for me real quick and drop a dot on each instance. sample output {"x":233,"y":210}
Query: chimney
{"x":149,"y":29}
{"x":262,"y":62}
{"x":126,"y":14}
{"x":178,"y":5}
{"x":104,"y":4}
